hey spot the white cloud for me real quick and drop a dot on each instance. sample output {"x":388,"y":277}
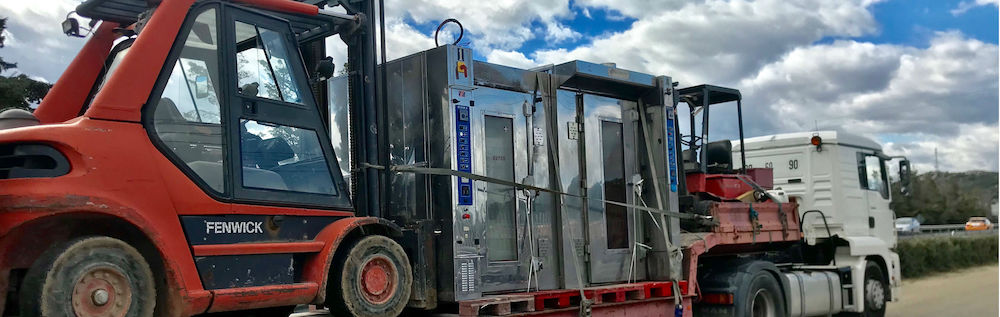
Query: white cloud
{"x":35,"y":35}
{"x":943,"y":96}
{"x":967,"y":5}
{"x":496,"y":24}
{"x":509,"y":58}
{"x":974,"y":148}
{"x":717,"y":41}
{"x":556,"y":33}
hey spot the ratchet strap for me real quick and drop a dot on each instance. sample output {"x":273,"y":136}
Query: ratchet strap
{"x":781,"y":212}
{"x":449,"y":172}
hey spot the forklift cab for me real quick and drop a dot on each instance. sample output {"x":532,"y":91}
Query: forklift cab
{"x":702,"y":156}
{"x":708,"y":166}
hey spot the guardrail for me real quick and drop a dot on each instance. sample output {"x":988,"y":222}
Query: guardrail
{"x":945,"y":230}
{"x":942,"y":228}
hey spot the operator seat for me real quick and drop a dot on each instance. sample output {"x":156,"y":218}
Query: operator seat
{"x":719,"y":157}
{"x":191,"y":140}
{"x":690,"y":159}
{"x":16,"y":118}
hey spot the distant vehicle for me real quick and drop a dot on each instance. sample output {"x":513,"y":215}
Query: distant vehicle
{"x":978,"y":223}
{"x":907,"y":225}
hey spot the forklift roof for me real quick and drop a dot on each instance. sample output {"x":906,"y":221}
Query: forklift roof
{"x":694,"y":95}
{"x":126,"y":12}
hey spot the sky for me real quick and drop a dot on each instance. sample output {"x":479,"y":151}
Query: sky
{"x":915,"y":75}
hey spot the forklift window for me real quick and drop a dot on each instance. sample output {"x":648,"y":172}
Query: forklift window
{"x":286,"y":158}
{"x":187,"y":118}
{"x":263,"y":65}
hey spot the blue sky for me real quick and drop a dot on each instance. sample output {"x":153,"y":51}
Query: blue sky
{"x":913,"y":22}
{"x":914,"y":75}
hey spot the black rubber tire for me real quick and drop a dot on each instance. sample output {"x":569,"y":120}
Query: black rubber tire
{"x":872,"y":272}
{"x":762,"y":284}
{"x":48,"y":286}
{"x":344,"y":296}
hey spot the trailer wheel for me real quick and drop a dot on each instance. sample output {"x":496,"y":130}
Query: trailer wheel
{"x":373,"y":279}
{"x":763,"y":297}
{"x":90,"y":276}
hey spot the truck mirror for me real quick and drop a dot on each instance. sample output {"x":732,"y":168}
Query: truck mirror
{"x":325,"y":69}
{"x":904,"y":177}
{"x":201,"y":87}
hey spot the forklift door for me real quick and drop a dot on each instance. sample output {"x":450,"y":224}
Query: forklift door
{"x":233,"y":110}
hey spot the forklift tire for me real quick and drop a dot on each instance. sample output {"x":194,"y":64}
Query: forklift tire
{"x":89,"y":276}
{"x":372,"y":279}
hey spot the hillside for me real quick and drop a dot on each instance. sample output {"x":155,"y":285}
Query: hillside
{"x":944,"y":197}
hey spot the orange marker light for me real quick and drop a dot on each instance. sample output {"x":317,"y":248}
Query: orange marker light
{"x":816,"y":140}
{"x":717,"y":298}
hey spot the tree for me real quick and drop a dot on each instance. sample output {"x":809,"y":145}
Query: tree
{"x":19,"y":90}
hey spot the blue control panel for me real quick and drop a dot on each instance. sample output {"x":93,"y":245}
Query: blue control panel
{"x":464,"y":153}
{"x":671,"y":151}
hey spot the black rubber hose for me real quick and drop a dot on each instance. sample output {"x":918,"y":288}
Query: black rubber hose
{"x":461,"y":31}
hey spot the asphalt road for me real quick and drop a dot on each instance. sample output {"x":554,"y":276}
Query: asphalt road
{"x":970,"y":292}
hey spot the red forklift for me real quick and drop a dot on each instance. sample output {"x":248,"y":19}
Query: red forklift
{"x":182,"y":165}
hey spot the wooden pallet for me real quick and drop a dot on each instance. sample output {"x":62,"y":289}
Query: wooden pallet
{"x":616,"y":293}
{"x":499,"y":305}
{"x":556,"y":299}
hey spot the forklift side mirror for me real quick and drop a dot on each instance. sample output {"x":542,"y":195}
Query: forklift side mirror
{"x":904,"y":177}
{"x":325,"y":69}
{"x":201,"y":87}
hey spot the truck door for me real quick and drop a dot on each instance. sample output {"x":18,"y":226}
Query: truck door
{"x":609,"y":153}
{"x":500,"y":140}
{"x":874,"y":180}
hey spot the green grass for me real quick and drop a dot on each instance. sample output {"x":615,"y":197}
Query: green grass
{"x":923,"y":256}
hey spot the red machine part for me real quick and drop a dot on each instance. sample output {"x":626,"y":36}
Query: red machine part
{"x":741,"y":227}
{"x":633,"y":299}
{"x":729,"y":186}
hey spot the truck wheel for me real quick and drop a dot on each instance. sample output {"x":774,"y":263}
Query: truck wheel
{"x":91,"y":276}
{"x":875,"y":290}
{"x":764,"y":297}
{"x":372,"y":279}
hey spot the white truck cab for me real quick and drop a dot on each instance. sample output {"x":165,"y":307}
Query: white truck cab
{"x":843,"y":179}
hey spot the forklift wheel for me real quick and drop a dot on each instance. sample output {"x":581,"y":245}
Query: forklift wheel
{"x":90,"y":276}
{"x":372,"y":279}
